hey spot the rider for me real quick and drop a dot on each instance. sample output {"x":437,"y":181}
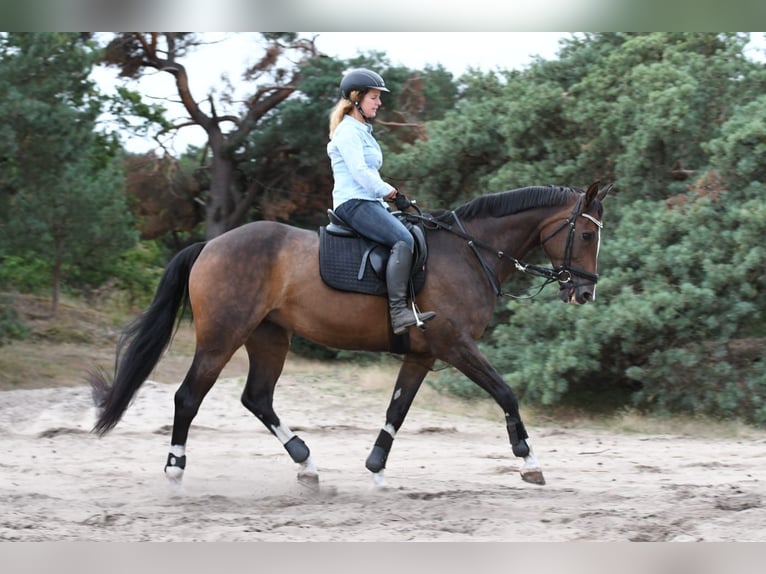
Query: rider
{"x":359,"y":191}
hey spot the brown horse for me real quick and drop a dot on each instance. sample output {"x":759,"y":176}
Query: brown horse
{"x":260,"y":283}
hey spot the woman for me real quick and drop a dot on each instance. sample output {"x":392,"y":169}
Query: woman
{"x":359,"y":191}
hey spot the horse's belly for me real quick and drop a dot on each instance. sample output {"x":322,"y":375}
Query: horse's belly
{"x":336,"y":319}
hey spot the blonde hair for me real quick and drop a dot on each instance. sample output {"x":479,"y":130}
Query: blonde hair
{"x":343,"y":108}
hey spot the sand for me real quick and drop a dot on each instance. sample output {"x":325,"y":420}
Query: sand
{"x":450,"y":476}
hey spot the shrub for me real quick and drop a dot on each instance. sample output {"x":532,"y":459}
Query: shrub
{"x":679,"y":286}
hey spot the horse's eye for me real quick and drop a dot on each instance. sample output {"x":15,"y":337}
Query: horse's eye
{"x":587,"y":236}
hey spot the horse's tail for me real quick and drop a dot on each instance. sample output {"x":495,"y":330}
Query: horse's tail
{"x":143,"y":342}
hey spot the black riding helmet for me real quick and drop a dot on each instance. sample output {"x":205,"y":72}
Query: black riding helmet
{"x":361,"y":79}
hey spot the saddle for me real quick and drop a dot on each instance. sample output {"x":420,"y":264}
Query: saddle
{"x":351,"y":262}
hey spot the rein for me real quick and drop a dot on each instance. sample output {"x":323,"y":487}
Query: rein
{"x":562,"y":273}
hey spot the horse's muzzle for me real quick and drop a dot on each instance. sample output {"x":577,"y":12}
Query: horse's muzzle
{"x":577,"y":294}
{"x":576,"y":285}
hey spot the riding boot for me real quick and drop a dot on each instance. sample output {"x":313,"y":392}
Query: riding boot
{"x":397,"y":280}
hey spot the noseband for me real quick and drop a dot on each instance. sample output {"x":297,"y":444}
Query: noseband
{"x":563,"y":273}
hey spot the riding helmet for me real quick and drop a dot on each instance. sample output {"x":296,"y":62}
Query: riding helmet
{"x":361,"y":79}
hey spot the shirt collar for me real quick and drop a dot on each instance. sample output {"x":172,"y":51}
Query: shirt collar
{"x":358,"y":124}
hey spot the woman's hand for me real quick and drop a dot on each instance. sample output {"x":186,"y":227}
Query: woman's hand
{"x":401,"y":202}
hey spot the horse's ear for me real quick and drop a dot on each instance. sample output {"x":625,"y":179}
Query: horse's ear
{"x":594,"y":193}
{"x":591,"y":194}
{"x":604,"y":191}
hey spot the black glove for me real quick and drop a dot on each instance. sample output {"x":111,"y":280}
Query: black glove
{"x":401,"y":202}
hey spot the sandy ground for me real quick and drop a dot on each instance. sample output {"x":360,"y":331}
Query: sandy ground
{"x":450,"y":477}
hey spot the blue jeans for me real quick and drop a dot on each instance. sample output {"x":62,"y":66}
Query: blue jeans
{"x":372,"y":220}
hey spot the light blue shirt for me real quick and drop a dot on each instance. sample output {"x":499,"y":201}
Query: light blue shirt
{"x":355,"y":157}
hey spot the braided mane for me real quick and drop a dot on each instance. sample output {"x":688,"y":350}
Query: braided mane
{"x":516,"y":200}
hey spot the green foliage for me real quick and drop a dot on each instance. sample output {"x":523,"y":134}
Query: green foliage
{"x":634,"y":109}
{"x":11,"y":326}
{"x":134,"y":115}
{"x":79,"y":227}
{"x":25,"y":274}
{"x":675,"y":120}
{"x":137,"y":272}
{"x":462,"y":149}
{"x":679,"y":286}
{"x":439,"y":93}
{"x":65,"y":200}
{"x":739,"y":153}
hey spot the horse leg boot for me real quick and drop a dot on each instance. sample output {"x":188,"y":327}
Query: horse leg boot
{"x":397,"y":279}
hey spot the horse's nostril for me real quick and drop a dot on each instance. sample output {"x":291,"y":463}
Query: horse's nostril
{"x":587,"y":296}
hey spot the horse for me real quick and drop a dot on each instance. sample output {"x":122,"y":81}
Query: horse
{"x":258,"y":284}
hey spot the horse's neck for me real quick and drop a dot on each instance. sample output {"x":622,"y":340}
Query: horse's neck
{"x":515,"y":235}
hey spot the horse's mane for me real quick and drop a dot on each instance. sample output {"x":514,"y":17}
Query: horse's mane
{"x":515,"y":200}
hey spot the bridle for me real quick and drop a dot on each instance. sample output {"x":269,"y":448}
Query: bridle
{"x":565,"y":271}
{"x":564,"y":274}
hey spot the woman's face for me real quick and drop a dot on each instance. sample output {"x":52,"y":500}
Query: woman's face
{"x":370,"y":103}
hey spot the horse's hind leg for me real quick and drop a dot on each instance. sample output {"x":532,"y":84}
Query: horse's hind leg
{"x":411,"y":375}
{"x":267,"y":349}
{"x":202,"y":375}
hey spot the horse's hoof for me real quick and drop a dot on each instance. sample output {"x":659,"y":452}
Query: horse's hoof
{"x":378,"y":482}
{"x":309,"y":479}
{"x":174,"y":474}
{"x":175,"y":483}
{"x":533,"y":476}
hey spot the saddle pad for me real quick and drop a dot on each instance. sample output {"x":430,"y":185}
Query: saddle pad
{"x":340,"y":262}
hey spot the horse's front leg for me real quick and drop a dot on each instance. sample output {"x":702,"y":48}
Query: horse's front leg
{"x":471,"y":362}
{"x":411,"y":375}
{"x":530,"y":470}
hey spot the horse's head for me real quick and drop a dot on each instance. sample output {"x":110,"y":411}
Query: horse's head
{"x":571,"y":239}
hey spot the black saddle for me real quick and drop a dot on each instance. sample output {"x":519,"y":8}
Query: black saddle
{"x":351,"y":262}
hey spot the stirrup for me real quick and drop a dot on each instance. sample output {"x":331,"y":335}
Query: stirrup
{"x":420,"y":319}
{"x":420,"y":324}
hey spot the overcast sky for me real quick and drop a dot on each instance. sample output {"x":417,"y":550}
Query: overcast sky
{"x":456,"y":51}
{"x":229,"y":53}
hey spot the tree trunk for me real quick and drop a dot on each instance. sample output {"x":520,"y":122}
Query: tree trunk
{"x":56,"y":279}
{"x":222,"y":200}
{"x":227,"y":204}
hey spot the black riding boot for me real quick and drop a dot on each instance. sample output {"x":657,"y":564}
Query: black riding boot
{"x":397,"y":278}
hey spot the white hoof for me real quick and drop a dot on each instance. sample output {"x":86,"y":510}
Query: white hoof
{"x":174,"y":474}
{"x":175,"y":482}
{"x":378,"y":481}
{"x":309,"y":480}
{"x":308,"y":475}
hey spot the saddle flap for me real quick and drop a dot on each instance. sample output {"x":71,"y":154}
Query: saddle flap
{"x":341,"y":264}
{"x":354,"y":263}
{"x":379,"y":259}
